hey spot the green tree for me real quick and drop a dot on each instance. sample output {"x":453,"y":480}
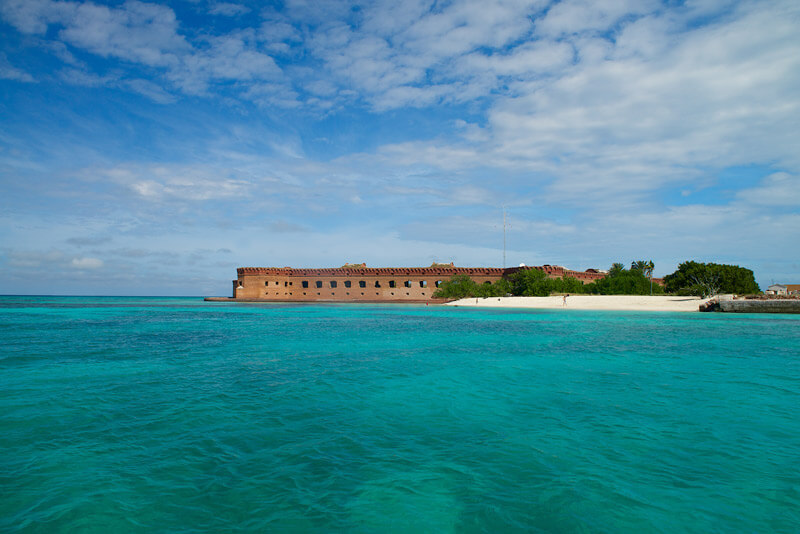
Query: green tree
{"x":461,"y":286}
{"x":536,"y":283}
{"x":530,"y":283}
{"x":616,"y":268}
{"x":458,"y":287}
{"x":568,"y":284}
{"x":501,"y":288}
{"x":646,"y":266}
{"x":705,"y":279}
{"x":621,"y":281}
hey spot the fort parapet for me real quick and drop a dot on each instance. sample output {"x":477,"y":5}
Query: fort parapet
{"x":356,"y":282}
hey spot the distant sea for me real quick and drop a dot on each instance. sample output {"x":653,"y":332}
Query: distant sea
{"x":175,"y":415}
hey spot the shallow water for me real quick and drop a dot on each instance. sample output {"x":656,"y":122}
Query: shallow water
{"x":166,"y":414}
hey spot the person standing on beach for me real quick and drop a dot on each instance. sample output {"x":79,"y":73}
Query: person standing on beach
{"x":564,"y":302}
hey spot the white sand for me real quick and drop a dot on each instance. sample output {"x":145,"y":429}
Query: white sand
{"x":589,"y":302}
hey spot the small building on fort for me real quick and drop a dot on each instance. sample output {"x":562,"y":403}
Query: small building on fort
{"x":776,"y":289}
{"x":357,"y":282}
{"x":783,"y":289}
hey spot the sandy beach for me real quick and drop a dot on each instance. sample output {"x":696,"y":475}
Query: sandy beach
{"x":590,"y":302}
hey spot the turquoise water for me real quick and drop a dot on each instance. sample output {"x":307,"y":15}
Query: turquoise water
{"x":175,"y":415}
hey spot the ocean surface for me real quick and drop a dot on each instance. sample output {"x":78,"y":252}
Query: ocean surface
{"x":175,"y":415}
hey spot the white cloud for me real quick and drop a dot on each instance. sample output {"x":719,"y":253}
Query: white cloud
{"x":26,"y":259}
{"x":10,"y":72}
{"x":284,"y":227}
{"x":89,"y":241}
{"x":87,"y":79}
{"x":230,"y":57}
{"x":62,"y":52}
{"x":137,"y":31}
{"x":526,"y":61}
{"x":277,"y":31}
{"x":778,"y":189}
{"x":161,"y":183}
{"x":267,"y":95}
{"x":532,"y":239}
{"x":431,"y":153}
{"x":315,"y":12}
{"x":146,"y":88}
{"x":144,"y":34}
{"x":31,"y":16}
{"x":400,"y":54}
{"x":53,"y":259}
{"x":462,"y":27}
{"x":647,"y":38}
{"x":733,"y":233}
{"x":228,"y":9}
{"x":723,"y":95}
{"x":149,"y":89}
{"x":86,"y":263}
{"x":577,"y":16}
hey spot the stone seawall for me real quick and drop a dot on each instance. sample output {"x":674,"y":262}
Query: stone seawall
{"x":760,"y":306}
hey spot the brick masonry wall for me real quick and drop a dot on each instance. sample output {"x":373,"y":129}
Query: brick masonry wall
{"x":413,"y":284}
{"x":386,"y":284}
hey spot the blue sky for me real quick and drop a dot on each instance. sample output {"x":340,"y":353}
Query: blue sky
{"x":153,"y":147}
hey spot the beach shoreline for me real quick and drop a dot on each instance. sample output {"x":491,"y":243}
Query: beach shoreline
{"x":589,"y":302}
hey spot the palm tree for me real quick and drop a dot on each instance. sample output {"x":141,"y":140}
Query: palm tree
{"x":646,"y":266}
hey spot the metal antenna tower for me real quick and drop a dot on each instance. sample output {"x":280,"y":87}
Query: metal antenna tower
{"x":506,"y":224}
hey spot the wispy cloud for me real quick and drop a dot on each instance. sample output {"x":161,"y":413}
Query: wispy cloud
{"x":160,"y":183}
{"x":228,"y":9}
{"x":10,"y":72}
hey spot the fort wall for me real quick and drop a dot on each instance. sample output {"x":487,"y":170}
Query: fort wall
{"x":360,"y":283}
